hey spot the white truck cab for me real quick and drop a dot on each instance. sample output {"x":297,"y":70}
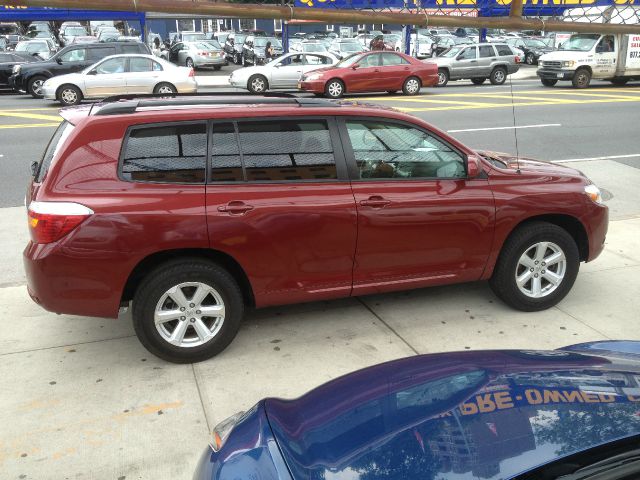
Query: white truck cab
{"x":587,"y":56}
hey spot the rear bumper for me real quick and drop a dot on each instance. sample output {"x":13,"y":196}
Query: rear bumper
{"x":548,"y":74}
{"x":210,"y":62}
{"x":75,"y":281}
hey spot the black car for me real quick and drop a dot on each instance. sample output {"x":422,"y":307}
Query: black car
{"x":532,"y":48}
{"x":443,"y":43}
{"x":8,"y":60}
{"x":254,"y":49}
{"x":233,"y":47}
{"x":29,"y":78}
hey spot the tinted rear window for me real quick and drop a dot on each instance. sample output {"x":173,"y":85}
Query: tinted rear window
{"x":166,"y":154}
{"x":98,"y":53}
{"x":58,"y":139}
{"x":503,"y":50}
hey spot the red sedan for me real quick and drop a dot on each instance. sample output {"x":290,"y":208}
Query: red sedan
{"x":371,"y":72}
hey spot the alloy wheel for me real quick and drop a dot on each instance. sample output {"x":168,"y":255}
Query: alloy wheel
{"x":412,"y":86}
{"x":36,"y":87}
{"x":69,"y":96}
{"x":189,"y":314}
{"x":335,"y":89}
{"x":540,"y":269}
{"x":165,"y":89}
{"x":258,"y":85}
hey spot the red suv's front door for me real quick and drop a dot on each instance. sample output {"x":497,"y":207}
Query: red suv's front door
{"x":281,"y":206}
{"x":420,"y":220}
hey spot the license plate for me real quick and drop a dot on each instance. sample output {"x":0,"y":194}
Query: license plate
{"x":299,"y":84}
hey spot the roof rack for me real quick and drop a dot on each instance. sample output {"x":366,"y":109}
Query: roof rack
{"x":122,"y":104}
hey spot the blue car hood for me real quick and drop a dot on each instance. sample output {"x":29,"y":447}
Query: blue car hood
{"x":460,"y":415}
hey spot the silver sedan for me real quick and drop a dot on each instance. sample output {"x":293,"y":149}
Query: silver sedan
{"x":118,"y":75}
{"x":282,"y":72}
{"x":202,"y":53}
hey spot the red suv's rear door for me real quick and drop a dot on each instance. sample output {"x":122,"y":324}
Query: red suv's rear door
{"x":282,"y":207}
{"x":420,"y":220}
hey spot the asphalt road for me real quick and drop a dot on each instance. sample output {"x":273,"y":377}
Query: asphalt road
{"x":553,"y":124}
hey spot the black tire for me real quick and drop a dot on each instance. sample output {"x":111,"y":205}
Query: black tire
{"x":69,"y":95}
{"x":189,"y":63}
{"x":443,"y":77}
{"x":334,"y":88}
{"x":237,"y":58}
{"x":257,"y":84}
{"x":478,"y":80}
{"x":619,"y":82}
{"x":498,"y":76}
{"x":34,"y":86}
{"x":169,"y":275}
{"x":243,"y":60}
{"x":411,"y":86}
{"x":548,"y":82}
{"x":582,"y":78}
{"x":165,"y":88}
{"x":530,"y":59}
{"x":217,"y":67}
{"x":503,"y":281}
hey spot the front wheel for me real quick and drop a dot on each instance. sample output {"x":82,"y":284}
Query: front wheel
{"x":187,"y":311}
{"x":411,"y":86}
{"x":537,"y":267}
{"x":443,"y":77}
{"x":530,"y":59}
{"x":548,"y":82}
{"x":334,"y":88}
{"x":69,"y":95}
{"x":34,"y":87}
{"x":582,"y":78}
{"x":498,"y":76}
{"x":257,"y":84}
{"x":236,"y":58}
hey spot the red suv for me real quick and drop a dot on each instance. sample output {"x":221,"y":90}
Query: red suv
{"x":193,"y":208}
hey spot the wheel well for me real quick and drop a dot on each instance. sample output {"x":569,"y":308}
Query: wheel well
{"x":570,"y":224}
{"x":585,"y":67}
{"x":65,"y":85}
{"x":266,"y":80}
{"x":165,"y":83}
{"x":501,"y":67}
{"x":153,"y":261}
{"x":344,"y":85}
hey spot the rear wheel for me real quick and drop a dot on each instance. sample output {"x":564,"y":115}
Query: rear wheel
{"x":548,"y":82}
{"x":498,"y":76}
{"x":411,"y":86}
{"x":166,"y":88}
{"x":582,"y":78}
{"x":34,"y":87}
{"x":537,"y":267}
{"x":334,"y":88}
{"x":236,"y":58}
{"x":530,"y":59}
{"x":478,"y":80}
{"x":69,"y":95}
{"x":187,"y":311}
{"x":257,"y":84}
{"x":443,"y":77}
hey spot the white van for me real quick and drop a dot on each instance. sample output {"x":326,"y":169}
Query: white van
{"x":587,"y":56}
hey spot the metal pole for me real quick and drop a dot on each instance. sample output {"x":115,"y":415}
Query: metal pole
{"x":205,"y":7}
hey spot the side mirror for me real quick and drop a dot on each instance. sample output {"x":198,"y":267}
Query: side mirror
{"x":34,"y":168}
{"x":92,"y":72}
{"x":355,"y":66}
{"x":474,"y":166}
{"x":59,"y":61}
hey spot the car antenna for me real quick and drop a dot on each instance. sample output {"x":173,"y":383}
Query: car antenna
{"x":515,"y":128}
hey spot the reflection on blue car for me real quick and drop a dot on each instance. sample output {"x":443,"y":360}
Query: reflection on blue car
{"x":465,"y":415}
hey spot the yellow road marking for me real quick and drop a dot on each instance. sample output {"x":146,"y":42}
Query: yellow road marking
{"x":34,"y":116}
{"x":29,"y":125}
{"x":522,"y":104}
{"x":29,"y":109}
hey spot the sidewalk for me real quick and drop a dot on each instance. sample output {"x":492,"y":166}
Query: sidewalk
{"x":82,"y":397}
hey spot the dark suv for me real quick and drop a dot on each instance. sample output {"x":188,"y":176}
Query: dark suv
{"x":192,"y":209}
{"x":233,"y":47}
{"x":30,"y":78}
{"x":254,"y":49}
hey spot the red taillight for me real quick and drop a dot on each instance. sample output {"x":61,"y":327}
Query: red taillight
{"x":518,"y":59}
{"x":203,"y":54}
{"x":192,"y":73}
{"x":50,"y":221}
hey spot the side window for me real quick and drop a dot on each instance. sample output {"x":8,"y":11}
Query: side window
{"x":113,"y":65}
{"x":226,"y":165}
{"x":77,"y":55}
{"x":392,"y":150}
{"x":166,"y":154}
{"x":370,"y":60}
{"x":486,"y":51}
{"x":504,"y":50}
{"x":130,"y":49}
{"x":468,"y":54}
{"x":157,"y":67}
{"x":100,"y":53}
{"x":140,"y":64}
{"x":391,"y":59}
{"x":607,"y":44}
{"x":316,"y":60}
{"x":288,"y":150}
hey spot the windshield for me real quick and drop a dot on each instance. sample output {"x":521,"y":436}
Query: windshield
{"x":533,"y":43}
{"x":350,"y":47}
{"x":77,"y":31}
{"x":391,"y":37}
{"x":213,"y":44}
{"x":193,"y":36}
{"x":32,"y":47}
{"x":582,"y":42}
{"x":314,"y":47}
{"x":262,"y":42}
{"x":452,"y":52}
{"x":348,"y":61}
{"x":38,"y":34}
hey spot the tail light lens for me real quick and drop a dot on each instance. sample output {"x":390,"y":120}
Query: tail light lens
{"x":222,"y":431}
{"x":192,"y":73}
{"x":518,"y":59}
{"x":50,"y":221}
